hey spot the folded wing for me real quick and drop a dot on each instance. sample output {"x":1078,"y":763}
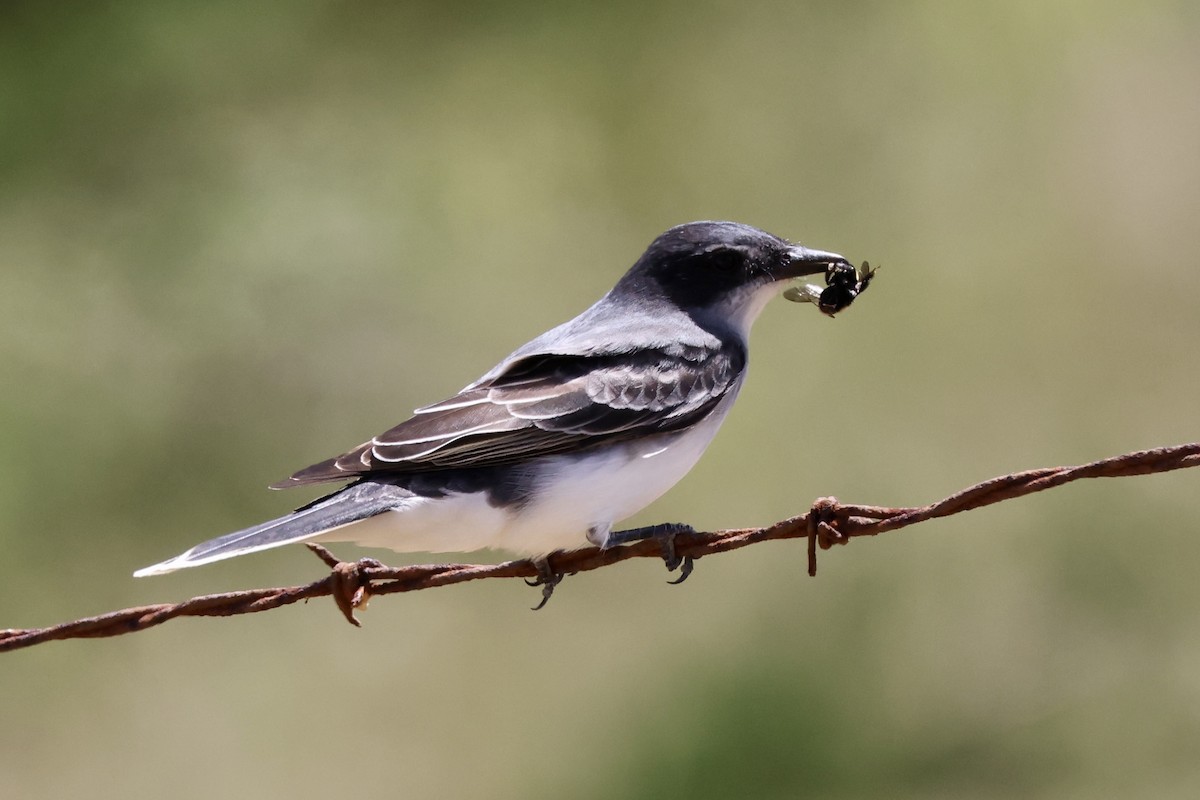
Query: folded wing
{"x":546,"y":404}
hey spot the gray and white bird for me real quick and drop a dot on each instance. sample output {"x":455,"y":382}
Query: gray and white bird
{"x":578,"y":429}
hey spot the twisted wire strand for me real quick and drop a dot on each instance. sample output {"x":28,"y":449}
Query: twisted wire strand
{"x":828,"y":522}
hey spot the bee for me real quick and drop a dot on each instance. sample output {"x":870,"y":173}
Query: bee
{"x":843,"y":283}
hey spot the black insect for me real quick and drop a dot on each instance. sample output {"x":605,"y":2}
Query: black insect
{"x":843,"y":284}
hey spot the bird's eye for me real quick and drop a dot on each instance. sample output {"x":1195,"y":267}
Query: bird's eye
{"x":725,"y":260}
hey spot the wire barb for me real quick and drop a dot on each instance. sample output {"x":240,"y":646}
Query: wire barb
{"x":349,"y":585}
{"x":828,"y":522}
{"x":822,"y":524}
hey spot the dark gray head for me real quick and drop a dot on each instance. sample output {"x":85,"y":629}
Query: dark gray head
{"x":722,"y":269}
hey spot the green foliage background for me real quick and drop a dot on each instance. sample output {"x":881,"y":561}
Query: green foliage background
{"x":231,"y":233}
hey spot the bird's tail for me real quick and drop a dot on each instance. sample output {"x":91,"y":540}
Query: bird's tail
{"x":351,"y":504}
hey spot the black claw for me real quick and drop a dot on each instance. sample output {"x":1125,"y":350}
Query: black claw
{"x":547,"y":591}
{"x":547,"y":578}
{"x":685,"y":569}
{"x":665,"y":533}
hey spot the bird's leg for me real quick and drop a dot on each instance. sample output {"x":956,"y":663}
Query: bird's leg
{"x":665,"y":533}
{"x":547,"y":579}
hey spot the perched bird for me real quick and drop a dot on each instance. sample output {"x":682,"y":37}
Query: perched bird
{"x":581,"y":427}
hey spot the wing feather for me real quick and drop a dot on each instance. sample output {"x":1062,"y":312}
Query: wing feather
{"x":543,"y":405}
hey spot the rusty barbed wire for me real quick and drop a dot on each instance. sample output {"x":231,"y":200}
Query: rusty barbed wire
{"x":828,"y":522}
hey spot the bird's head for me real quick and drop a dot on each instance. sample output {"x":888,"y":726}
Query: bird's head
{"x":722,"y":271}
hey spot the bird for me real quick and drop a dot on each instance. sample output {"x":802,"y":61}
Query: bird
{"x":571,"y":433}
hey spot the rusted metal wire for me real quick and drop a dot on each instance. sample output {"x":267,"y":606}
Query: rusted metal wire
{"x":827,"y":523}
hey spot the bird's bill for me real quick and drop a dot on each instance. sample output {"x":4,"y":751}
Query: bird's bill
{"x":806,"y":261}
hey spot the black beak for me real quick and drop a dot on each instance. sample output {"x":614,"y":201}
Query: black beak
{"x":806,"y":261}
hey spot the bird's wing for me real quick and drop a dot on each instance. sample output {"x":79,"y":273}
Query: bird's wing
{"x":546,"y":404}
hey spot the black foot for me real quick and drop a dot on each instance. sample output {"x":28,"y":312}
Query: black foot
{"x":547,"y":579}
{"x":665,"y":534}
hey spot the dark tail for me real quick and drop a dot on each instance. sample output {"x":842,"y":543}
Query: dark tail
{"x":351,"y":504}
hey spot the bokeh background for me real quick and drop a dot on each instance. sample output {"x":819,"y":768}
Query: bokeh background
{"x":237,"y":238}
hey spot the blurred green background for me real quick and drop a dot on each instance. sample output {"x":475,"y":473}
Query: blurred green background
{"x":231,"y":232}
